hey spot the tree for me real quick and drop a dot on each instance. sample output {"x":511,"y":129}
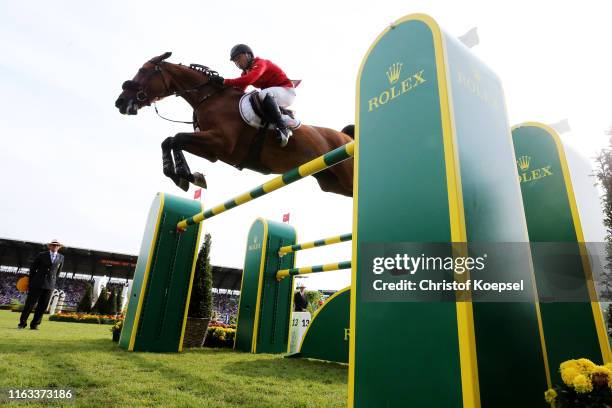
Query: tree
{"x":313,"y":296}
{"x":119,"y":300}
{"x":603,"y":173}
{"x":100,"y":305}
{"x":111,"y":308}
{"x":200,"y":305}
{"x":85,"y":303}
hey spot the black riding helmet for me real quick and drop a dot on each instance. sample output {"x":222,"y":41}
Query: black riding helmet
{"x":240,"y":49}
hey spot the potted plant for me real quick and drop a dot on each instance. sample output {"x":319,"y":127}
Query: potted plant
{"x":200,"y":303}
{"x":585,"y":384}
{"x":116,"y":329}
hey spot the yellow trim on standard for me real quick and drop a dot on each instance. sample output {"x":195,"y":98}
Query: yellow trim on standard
{"x":146,"y":272}
{"x":193,"y":266}
{"x":600,"y":327}
{"x":316,"y":313}
{"x":262,"y":263}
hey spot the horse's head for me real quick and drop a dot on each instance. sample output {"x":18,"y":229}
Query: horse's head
{"x":149,"y":85}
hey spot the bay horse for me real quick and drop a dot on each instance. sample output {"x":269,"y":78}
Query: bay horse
{"x":221,"y":134}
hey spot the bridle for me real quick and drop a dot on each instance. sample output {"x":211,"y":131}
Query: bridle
{"x":143,"y":97}
{"x":141,"y":93}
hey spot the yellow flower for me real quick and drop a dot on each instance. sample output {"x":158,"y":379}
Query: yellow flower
{"x":586,"y":365}
{"x":568,"y":374}
{"x":582,"y":384}
{"x":550,"y":395}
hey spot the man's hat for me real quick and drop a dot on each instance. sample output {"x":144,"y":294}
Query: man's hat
{"x":54,"y":242}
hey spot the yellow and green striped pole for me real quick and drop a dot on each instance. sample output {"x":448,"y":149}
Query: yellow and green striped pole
{"x":320,"y":242}
{"x":307,"y":169}
{"x":283,"y":273}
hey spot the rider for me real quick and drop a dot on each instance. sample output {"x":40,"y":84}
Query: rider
{"x":276,"y":89}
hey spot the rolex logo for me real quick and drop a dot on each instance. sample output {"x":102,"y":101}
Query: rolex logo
{"x":397,"y":87}
{"x":527,"y":175}
{"x":393,"y":73}
{"x":523,"y":162}
{"x":255,"y":244}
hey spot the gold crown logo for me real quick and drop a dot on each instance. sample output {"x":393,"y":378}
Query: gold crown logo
{"x":523,"y":162}
{"x":393,"y":73}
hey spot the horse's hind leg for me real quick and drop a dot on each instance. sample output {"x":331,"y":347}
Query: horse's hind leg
{"x":168,"y":165}
{"x":329,"y":182}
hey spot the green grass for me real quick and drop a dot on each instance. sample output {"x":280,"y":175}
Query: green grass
{"x":83,"y":357}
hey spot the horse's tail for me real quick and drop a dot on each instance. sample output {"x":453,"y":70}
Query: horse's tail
{"x":349,"y":130}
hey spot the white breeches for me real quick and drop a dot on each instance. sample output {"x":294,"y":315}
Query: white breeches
{"x":284,"y":96}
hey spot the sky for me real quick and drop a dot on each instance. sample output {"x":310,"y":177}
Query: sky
{"x":73,"y":168}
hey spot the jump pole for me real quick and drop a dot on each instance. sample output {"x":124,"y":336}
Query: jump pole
{"x":304,"y":270}
{"x":313,"y":244}
{"x":307,"y":169}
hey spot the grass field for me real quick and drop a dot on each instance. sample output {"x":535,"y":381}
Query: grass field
{"x":83,"y":357}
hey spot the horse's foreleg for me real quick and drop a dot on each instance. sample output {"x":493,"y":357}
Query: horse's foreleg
{"x":185,"y":141}
{"x":168,"y":165}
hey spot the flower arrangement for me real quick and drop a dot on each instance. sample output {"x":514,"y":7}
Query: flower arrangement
{"x":219,"y":324}
{"x":85,"y":318}
{"x":585,"y":384}
{"x":219,"y":336}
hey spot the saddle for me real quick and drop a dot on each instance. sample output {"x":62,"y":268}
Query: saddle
{"x":255,"y":101}
{"x":253,"y":115}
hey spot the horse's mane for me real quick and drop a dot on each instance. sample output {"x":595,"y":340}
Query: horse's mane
{"x":202,"y":69}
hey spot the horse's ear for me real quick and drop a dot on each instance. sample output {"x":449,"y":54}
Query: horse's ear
{"x":157,"y":60}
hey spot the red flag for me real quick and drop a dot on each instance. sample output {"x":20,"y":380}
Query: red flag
{"x":197,"y":194}
{"x":286,"y":217}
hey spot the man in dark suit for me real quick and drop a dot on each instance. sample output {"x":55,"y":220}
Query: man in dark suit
{"x":300,"y":301}
{"x":44,"y":273}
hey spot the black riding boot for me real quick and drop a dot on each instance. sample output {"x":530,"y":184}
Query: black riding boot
{"x":274,"y":115}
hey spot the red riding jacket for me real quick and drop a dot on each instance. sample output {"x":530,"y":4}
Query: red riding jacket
{"x":262,"y":74}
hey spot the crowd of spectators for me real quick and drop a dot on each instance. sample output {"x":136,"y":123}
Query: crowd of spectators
{"x":8,"y":287}
{"x":73,"y":288}
{"x":225,"y":305}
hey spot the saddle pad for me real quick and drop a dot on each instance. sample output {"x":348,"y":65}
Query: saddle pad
{"x":252,"y":119}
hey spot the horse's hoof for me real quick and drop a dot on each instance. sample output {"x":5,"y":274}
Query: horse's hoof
{"x":199,"y":180}
{"x":183,"y":184}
